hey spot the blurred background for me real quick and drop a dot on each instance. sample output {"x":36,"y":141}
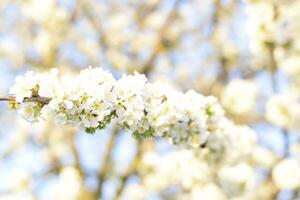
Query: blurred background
{"x":244,"y":52}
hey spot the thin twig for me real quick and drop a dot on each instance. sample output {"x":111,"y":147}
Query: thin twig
{"x":72,"y":139}
{"x":131,"y":170}
{"x":37,"y":99}
{"x":161,"y":35}
{"x":106,"y":162}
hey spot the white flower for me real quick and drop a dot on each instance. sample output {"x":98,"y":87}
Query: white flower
{"x":42,"y":84}
{"x":233,"y":143}
{"x":134,"y":192}
{"x":68,"y":186}
{"x":264,"y":157}
{"x":84,"y":100}
{"x":20,"y":180}
{"x":160,"y":107}
{"x":208,"y":192}
{"x":192,"y":122}
{"x":30,"y":111}
{"x":284,"y":109}
{"x":239,"y":96}
{"x":129,"y":104}
{"x":178,"y":167}
{"x":291,"y":65}
{"x":24,"y":85}
{"x":237,"y":179}
{"x":285,"y":174}
{"x":49,"y":84}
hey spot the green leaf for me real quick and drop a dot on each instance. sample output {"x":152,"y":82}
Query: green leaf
{"x":37,"y":110}
{"x":13,"y":105}
{"x":209,"y":110}
{"x":90,"y":130}
{"x":101,"y":126}
{"x":144,"y":135}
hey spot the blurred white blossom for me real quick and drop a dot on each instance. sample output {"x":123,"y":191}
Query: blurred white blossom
{"x":285,"y":174}
{"x":237,"y":179}
{"x":284,"y":109}
{"x":239,"y":96}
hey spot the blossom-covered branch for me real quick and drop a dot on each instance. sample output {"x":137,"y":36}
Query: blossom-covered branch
{"x":94,"y":98}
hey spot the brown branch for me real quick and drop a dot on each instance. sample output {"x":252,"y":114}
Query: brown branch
{"x":72,"y":137}
{"x":131,"y":169}
{"x":37,"y":99}
{"x":106,"y":162}
{"x":148,"y":66}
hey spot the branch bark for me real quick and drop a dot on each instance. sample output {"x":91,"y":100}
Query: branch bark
{"x":37,"y":99}
{"x":106,"y":162}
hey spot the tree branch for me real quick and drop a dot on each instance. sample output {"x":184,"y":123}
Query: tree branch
{"x":142,"y":147}
{"x":106,"y":162}
{"x":37,"y":99}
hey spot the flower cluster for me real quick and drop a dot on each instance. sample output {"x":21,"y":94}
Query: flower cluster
{"x":235,"y":144}
{"x":274,"y":25}
{"x":94,"y":97}
{"x":186,"y":170}
{"x":180,"y":167}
